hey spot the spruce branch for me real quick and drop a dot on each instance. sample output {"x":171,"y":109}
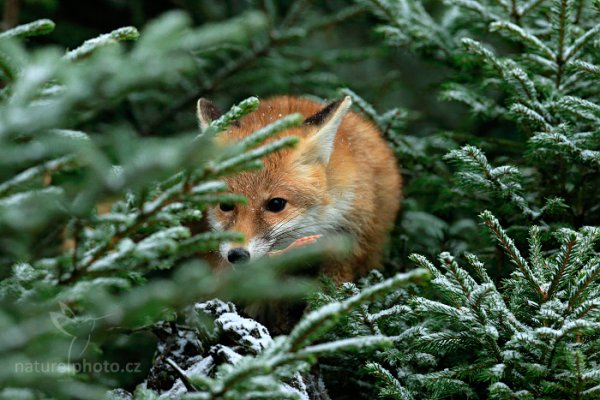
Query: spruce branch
{"x":538,"y":263}
{"x":583,"y":108}
{"x":270,"y":130}
{"x":507,"y":5}
{"x":236,"y":112}
{"x":565,"y":256}
{"x":590,"y":273}
{"x":445,"y":341}
{"x":561,"y":16}
{"x":397,"y":309}
{"x":581,"y":42}
{"x":518,"y":80}
{"x":556,"y":336}
{"x":522,"y":111}
{"x":211,"y":85}
{"x":209,"y":187}
{"x":459,"y":275}
{"x":479,"y":268}
{"x":39,"y":172}
{"x":477,"y":172}
{"x":491,"y":334}
{"x":393,"y":388}
{"x":363,"y":309}
{"x":514,"y":11}
{"x":89,"y":46}
{"x":216,"y":198}
{"x":516,"y":32}
{"x":477,"y":7}
{"x":591,"y":393}
{"x":475,"y":47}
{"x":512,"y":72}
{"x":424,"y":263}
{"x":232,"y":164}
{"x":35,"y":28}
{"x":558,"y":138}
{"x":437,"y":309}
{"x":355,"y":343}
{"x":509,"y":247}
{"x":587,"y":67}
{"x":586,"y":308}
{"x":324,"y":318}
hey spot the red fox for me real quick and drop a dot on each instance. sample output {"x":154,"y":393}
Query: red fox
{"x":341,"y":178}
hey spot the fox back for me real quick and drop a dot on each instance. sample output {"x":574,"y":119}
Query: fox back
{"x":341,"y":178}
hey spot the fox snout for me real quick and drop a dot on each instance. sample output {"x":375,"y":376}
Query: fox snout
{"x":238,"y":255}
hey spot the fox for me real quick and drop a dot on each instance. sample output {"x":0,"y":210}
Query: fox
{"x":341,"y":178}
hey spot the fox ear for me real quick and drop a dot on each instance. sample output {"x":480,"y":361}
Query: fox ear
{"x":319,"y":144}
{"x":207,"y":112}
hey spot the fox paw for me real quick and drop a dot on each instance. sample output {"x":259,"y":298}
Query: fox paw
{"x":303,"y":241}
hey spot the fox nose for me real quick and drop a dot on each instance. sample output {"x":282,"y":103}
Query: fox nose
{"x":238,"y":255}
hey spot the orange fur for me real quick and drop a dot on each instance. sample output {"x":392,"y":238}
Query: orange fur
{"x":356,"y":192}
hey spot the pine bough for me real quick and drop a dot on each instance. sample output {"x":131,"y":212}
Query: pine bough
{"x":535,"y":335}
{"x":532,"y":63}
{"x":239,"y":359}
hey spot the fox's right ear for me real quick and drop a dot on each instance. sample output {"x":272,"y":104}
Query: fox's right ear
{"x":207,"y":112}
{"x":319,"y":145}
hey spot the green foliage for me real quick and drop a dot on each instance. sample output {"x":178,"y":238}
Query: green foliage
{"x":88,"y":219}
{"x":529,"y":63}
{"x":272,"y":362}
{"x":529,"y":68}
{"x":535,"y":335}
{"x":104,"y":179}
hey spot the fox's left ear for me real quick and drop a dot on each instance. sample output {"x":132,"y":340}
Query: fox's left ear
{"x":207,"y":112}
{"x":319,"y":145}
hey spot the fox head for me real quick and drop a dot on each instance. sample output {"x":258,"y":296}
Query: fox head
{"x":293,"y":195}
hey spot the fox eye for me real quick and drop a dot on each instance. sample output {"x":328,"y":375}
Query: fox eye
{"x":226,"y":207}
{"x":276,"y":204}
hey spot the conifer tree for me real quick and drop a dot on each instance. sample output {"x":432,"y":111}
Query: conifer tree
{"x":533,"y":64}
{"x":104,"y":178}
{"x":534,"y":335}
{"x":97,"y":220}
{"x":477,"y":332}
{"x":89,"y":219}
